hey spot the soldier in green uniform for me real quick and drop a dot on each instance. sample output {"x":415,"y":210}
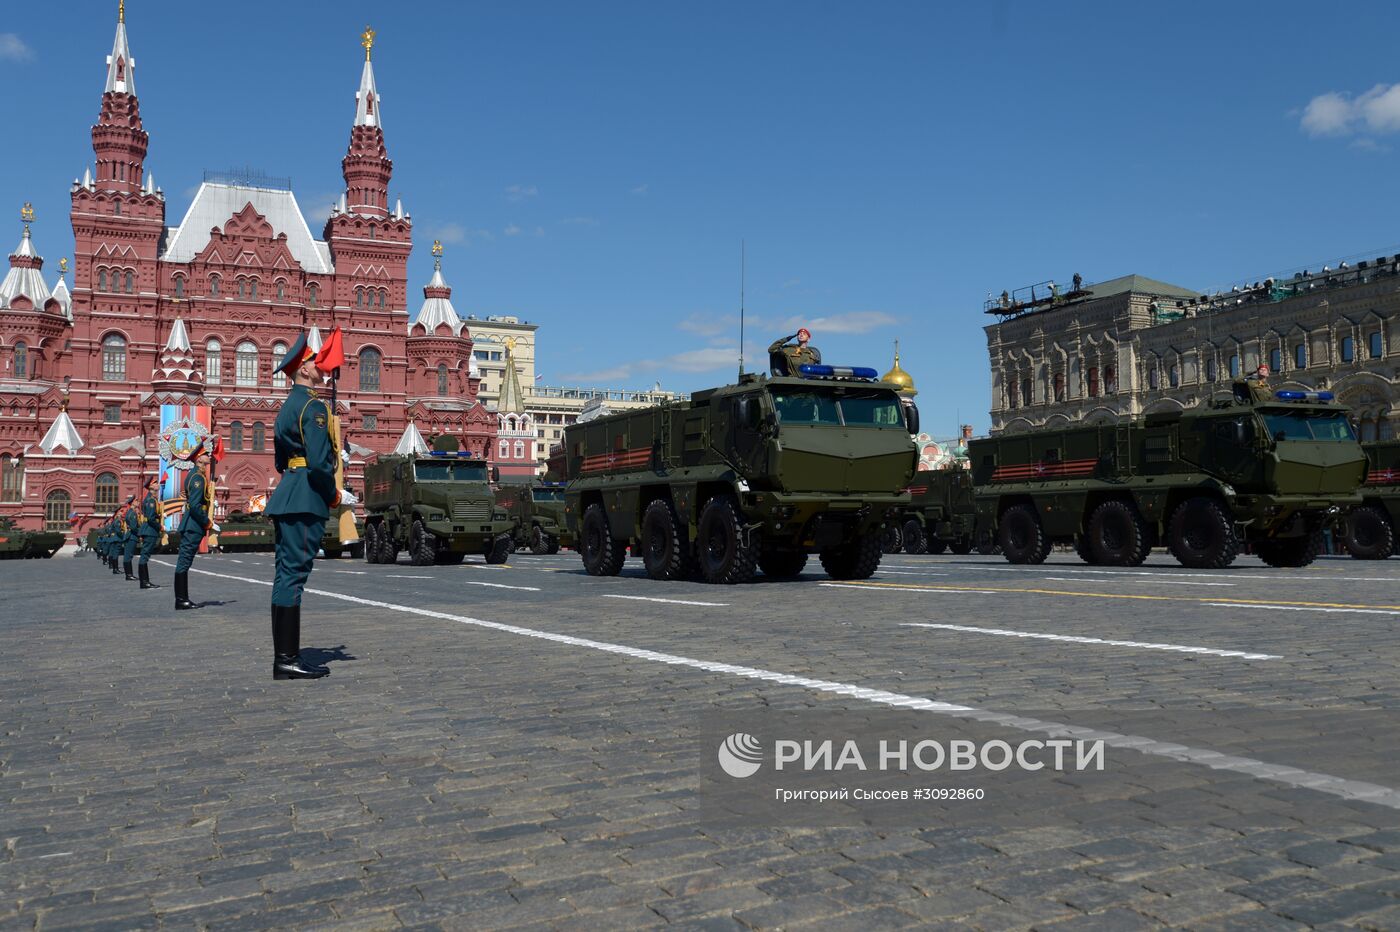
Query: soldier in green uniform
{"x":117,"y":541}
{"x":305,"y":494}
{"x":131,"y":528}
{"x":193,"y":526}
{"x":793,"y":355}
{"x":149,"y":531}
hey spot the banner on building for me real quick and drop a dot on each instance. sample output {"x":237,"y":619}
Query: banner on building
{"x":182,"y":428}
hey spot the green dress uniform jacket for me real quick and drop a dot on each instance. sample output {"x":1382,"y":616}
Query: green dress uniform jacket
{"x":196,"y":517}
{"x":795,"y":354}
{"x":304,"y":456}
{"x":150,"y":510}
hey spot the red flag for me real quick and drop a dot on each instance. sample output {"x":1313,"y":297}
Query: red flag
{"x":218,"y":452}
{"x":332,"y":354}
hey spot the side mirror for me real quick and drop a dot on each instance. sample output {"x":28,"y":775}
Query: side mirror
{"x":911,"y":418}
{"x":750,"y":414}
{"x":495,"y":474}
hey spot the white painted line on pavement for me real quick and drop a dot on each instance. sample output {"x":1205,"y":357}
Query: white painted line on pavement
{"x":1304,"y":608}
{"x":885,"y":572}
{"x":1155,"y":582}
{"x":895,"y":587}
{"x":56,"y":854}
{"x":1215,"y":760}
{"x":350,"y":572}
{"x":403,"y":576}
{"x":647,"y":598}
{"x":1075,"y":639}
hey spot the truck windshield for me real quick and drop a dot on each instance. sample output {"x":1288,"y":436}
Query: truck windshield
{"x":547,"y":495}
{"x":449,"y":471}
{"x":857,"y":409}
{"x":1297,"y":425}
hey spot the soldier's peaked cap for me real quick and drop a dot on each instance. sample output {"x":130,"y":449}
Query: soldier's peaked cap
{"x":297,"y":355}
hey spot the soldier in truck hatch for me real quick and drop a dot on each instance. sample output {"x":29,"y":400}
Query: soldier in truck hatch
{"x":784,"y":357}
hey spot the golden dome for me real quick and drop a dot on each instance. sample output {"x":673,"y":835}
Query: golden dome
{"x":898,"y":376}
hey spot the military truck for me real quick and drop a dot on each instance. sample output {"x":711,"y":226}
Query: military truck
{"x":17,"y":543}
{"x":1255,"y":467}
{"x":1369,"y":530}
{"x":333,"y":540}
{"x":537,"y":514}
{"x":439,"y":507}
{"x":243,"y":532}
{"x":746,"y":477}
{"x":942,"y":516}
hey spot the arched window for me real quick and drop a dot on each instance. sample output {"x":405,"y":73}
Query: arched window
{"x":1373,"y":343}
{"x":1300,"y":356}
{"x":383,"y":296}
{"x":281,"y":289}
{"x":1093,"y":381}
{"x":130,"y":283}
{"x":520,"y":449}
{"x":105,"y":493}
{"x":253,"y":289}
{"x":1275,"y":360}
{"x":235,"y":435}
{"x":1234,"y":365}
{"x":21,"y":360}
{"x":259,"y":436}
{"x":213,"y":362}
{"x":279,"y":353}
{"x":369,"y":369}
{"x":117,"y":205}
{"x":179,"y":286}
{"x":57,"y":507}
{"x":359,"y":297}
{"x":1173,"y":376}
{"x":1153,"y":379}
{"x":11,"y":478}
{"x":1348,"y":349}
{"x":214,"y":286}
{"x":312,"y":293}
{"x":245,"y":361}
{"x":114,"y":358}
{"x":1026,"y":391}
{"x":101,"y":279}
{"x":242,"y":287}
{"x":442,"y":378}
{"x":505,"y":449}
{"x":1210,"y":369}
{"x":1110,"y":380}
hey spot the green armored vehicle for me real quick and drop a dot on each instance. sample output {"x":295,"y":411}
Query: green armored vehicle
{"x":333,"y":540}
{"x":241,"y":532}
{"x":439,"y":507}
{"x":943,"y":515}
{"x":537,"y":513}
{"x":749,"y":476}
{"x":1369,"y":531}
{"x":1257,"y":467}
{"x":17,"y":543}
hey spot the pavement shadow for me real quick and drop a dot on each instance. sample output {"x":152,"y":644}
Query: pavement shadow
{"x":326,"y":654}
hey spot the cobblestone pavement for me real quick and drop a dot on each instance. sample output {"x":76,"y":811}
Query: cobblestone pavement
{"x":507,"y":747}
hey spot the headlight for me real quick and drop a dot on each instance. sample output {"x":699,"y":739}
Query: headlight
{"x":502,"y":516}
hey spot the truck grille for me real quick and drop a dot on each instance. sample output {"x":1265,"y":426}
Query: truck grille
{"x":471,"y":511}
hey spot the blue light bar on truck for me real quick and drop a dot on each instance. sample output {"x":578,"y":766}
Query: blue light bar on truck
{"x":460,"y":454}
{"x":837,"y":372}
{"x":1284,"y":395}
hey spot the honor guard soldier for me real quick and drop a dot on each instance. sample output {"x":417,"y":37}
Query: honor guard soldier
{"x":116,"y":541}
{"x":785,"y":358}
{"x":149,"y":531}
{"x":193,"y":526}
{"x":306,"y":492}
{"x":131,"y":529}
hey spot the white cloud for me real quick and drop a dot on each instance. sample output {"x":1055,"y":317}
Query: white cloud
{"x":849,"y":322}
{"x":792,"y":283}
{"x":1327,"y":115}
{"x":539,"y":231}
{"x":13,"y":48}
{"x":709,"y":325}
{"x":642,"y":189}
{"x":512,"y":230}
{"x":519,"y":192}
{"x":1380,"y":108}
{"x":1376,"y":112}
{"x":706,"y":359}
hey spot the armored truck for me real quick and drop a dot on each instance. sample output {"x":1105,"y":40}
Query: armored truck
{"x":439,"y":507}
{"x":242,"y":532}
{"x":751,"y":476}
{"x":1255,"y":467}
{"x":536,"y":512}
{"x":943,"y":515}
{"x":1369,"y":530}
{"x":333,"y":540}
{"x":17,"y":543}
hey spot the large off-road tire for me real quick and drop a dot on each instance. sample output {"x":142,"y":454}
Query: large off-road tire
{"x":357,"y":549}
{"x":782,"y":564}
{"x":937,"y":545}
{"x":602,"y":555}
{"x":665,"y":548}
{"x":370,"y":547}
{"x":422,"y":545}
{"x":858,"y":559}
{"x":1081,"y":547}
{"x":500,"y":550}
{"x":1022,"y":538}
{"x":1118,"y":535}
{"x":1368,"y":533}
{"x":553,"y":545}
{"x":1291,"y":551}
{"x":723,"y":555}
{"x":333,"y":553}
{"x":891,"y":539}
{"x":915,"y":541}
{"x":1200,"y":535}
{"x":962,"y":546}
{"x":987,"y":543}
{"x":540,"y":541}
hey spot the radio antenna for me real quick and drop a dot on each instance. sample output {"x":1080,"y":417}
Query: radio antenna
{"x":743,"y":271}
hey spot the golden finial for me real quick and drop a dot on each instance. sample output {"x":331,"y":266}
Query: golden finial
{"x":510,"y":344}
{"x":26,"y":213}
{"x":367,"y":40}
{"x":437,"y":247}
{"x":63,"y":265}
{"x":121,"y":11}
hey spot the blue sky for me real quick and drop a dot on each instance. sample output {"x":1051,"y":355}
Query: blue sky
{"x":593,"y":167}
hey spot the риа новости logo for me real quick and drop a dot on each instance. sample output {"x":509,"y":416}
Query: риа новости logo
{"x":740,"y":755}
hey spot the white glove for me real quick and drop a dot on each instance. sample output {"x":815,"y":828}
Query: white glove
{"x":214,"y":528}
{"x":348,"y":498}
{"x":345,"y":457}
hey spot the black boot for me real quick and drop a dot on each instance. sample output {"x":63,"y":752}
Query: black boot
{"x":145,"y":573}
{"x":126,"y":565}
{"x":116,"y":566}
{"x":286,"y":646}
{"x":182,"y":592}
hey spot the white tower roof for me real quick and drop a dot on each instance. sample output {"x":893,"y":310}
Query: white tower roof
{"x":24,"y":279}
{"x":367,"y":99}
{"x":412,"y":442}
{"x":62,"y":434}
{"x":121,"y":67}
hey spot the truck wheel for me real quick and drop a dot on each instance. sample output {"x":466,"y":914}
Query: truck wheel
{"x":857,"y":560}
{"x":553,"y":545}
{"x":914,"y":539}
{"x":334,"y":553}
{"x":422,"y":546}
{"x":1291,"y":551}
{"x":782,"y":564}
{"x":719,"y":543}
{"x":1117,"y":535}
{"x":937,"y":545}
{"x":500,"y":550}
{"x":371,"y":543}
{"x":1081,"y":547}
{"x":1201,"y":536}
{"x":388,"y":545}
{"x":1022,"y":538}
{"x":962,"y":546}
{"x":1368,"y":534}
{"x":891,"y":539}
{"x":602,"y":555}
{"x":357,"y":550}
{"x":987,"y":543}
{"x":665,"y":550}
{"x":539,"y":540}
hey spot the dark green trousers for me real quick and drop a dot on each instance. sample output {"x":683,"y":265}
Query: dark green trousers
{"x":148,"y":547}
{"x":298,"y":539}
{"x":189,"y":546}
{"x":129,"y":548}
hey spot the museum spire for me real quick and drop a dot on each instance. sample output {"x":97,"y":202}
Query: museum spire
{"x":118,"y":139}
{"x":366,"y":165}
